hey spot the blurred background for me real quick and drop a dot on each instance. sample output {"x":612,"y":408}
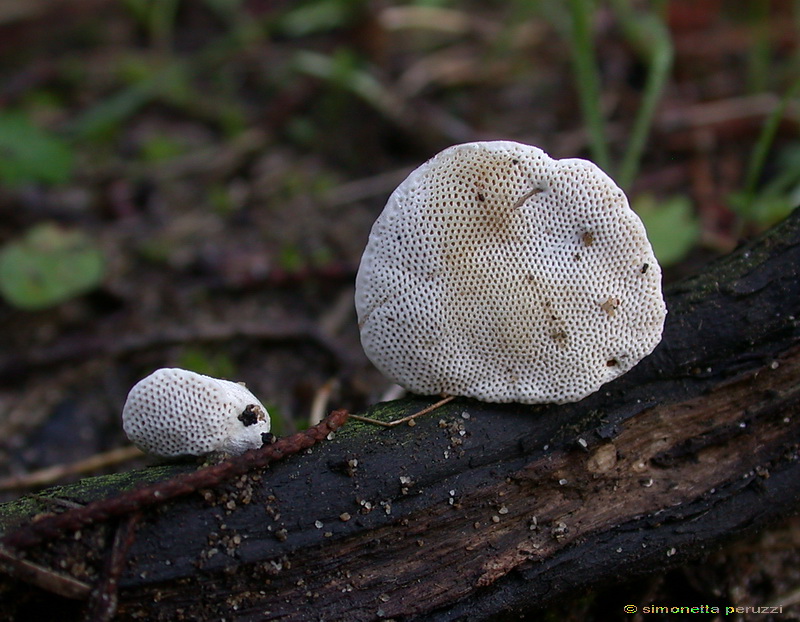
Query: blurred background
{"x":191,"y":183}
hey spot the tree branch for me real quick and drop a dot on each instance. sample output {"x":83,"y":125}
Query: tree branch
{"x":484,"y":509}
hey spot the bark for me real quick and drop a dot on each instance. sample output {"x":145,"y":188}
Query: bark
{"x":481,"y":510}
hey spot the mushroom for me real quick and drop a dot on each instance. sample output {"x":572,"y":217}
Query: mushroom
{"x":175,"y":412}
{"x":499,"y":273}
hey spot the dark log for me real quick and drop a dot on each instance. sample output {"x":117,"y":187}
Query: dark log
{"x":480,"y":510}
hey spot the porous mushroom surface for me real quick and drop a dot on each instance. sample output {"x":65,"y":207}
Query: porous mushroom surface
{"x":499,"y":273}
{"x":175,"y":412}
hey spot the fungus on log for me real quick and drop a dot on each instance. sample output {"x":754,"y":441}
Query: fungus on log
{"x":498,"y":273}
{"x":177,"y":412}
{"x":482,"y":509}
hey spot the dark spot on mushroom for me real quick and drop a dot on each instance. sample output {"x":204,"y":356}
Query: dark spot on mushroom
{"x":612,"y":363}
{"x":577,"y":257}
{"x":645,"y":268}
{"x":267,"y":438}
{"x":514,"y":161}
{"x":560,"y":337}
{"x":610,"y":305}
{"x":587,"y":238}
{"x":481,"y":198}
{"x":249,"y":415}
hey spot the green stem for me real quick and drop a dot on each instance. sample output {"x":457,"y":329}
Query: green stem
{"x":162,"y":25}
{"x":588,"y":83}
{"x":650,"y":36}
{"x":760,"y":49}
{"x":762,"y":147}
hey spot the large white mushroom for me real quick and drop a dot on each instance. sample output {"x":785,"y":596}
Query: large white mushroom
{"x":498,"y":273}
{"x":175,"y":412}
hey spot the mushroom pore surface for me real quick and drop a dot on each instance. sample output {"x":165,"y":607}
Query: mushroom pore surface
{"x":174,"y":412}
{"x":498,"y":273}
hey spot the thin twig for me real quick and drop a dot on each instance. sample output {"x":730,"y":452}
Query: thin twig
{"x":105,"y":596}
{"x":50,"y":475}
{"x":409,"y":418}
{"x":321,"y":398}
{"x":51,"y":526}
{"x":42,"y":577}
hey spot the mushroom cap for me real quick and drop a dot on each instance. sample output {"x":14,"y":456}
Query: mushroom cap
{"x":174,"y":412}
{"x":499,"y":273}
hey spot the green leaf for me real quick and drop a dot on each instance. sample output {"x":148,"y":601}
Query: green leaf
{"x":49,"y":265}
{"x":29,"y":154}
{"x":764,"y":209}
{"x":203,"y":361}
{"x":671,"y":225}
{"x":161,"y":148}
{"x":290,"y":258}
{"x":315,"y":17}
{"x":105,"y":118}
{"x":778,"y":197}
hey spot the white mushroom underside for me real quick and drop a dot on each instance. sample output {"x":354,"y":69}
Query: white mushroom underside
{"x":499,"y":273}
{"x":175,"y":412}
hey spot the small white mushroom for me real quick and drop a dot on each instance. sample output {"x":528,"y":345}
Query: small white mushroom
{"x":175,"y":412}
{"x":499,"y":273}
